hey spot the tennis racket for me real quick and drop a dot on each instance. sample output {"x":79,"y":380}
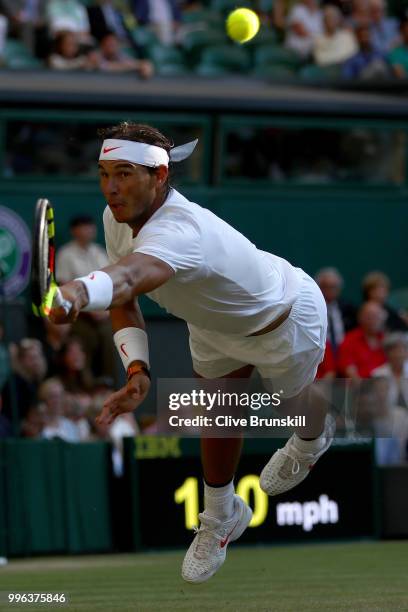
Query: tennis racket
{"x":45,"y":293}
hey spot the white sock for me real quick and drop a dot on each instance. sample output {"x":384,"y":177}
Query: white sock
{"x":219,"y":501}
{"x":310,"y":446}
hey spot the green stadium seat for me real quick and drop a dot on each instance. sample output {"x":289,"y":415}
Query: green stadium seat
{"x":195,"y":42}
{"x":315,"y":73}
{"x":265,"y":6}
{"x":173,"y":70}
{"x":202,"y":38}
{"x":265,"y":36}
{"x":212,"y":18}
{"x":275,"y":54}
{"x":17,"y":56}
{"x":211,"y":70}
{"x":167,"y":60}
{"x":276,"y":72}
{"x":144,"y":37}
{"x":227,"y":58}
{"x":226,"y":6}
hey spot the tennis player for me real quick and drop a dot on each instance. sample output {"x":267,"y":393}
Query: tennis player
{"x":244,"y":308}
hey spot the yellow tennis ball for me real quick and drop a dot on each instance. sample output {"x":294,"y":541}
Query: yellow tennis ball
{"x":242,"y":24}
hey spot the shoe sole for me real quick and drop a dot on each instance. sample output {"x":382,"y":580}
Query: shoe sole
{"x":238,"y":531}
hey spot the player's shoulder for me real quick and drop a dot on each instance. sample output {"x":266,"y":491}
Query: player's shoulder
{"x":107,"y":215}
{"x":178,"y":210}
{"x":109,"y":222}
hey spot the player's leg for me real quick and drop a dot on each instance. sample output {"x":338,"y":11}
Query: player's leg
{"x":292,"y":463}
{"x":299,"y":348}
{"x":225,"y":516}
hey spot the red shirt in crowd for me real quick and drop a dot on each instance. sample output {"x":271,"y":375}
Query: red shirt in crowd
{"x":328,"y":365}
{"x":356,"y":351}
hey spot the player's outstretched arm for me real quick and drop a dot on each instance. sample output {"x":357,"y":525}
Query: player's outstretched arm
{"x":113,"y":286}
{"x":126,"y":319}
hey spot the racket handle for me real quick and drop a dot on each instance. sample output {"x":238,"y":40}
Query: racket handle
{"x":61,"y":302}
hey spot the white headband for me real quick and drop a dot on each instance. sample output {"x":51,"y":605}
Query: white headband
{"x":143,"y":154}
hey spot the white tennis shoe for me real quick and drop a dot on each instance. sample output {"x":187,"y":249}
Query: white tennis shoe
{"x":289,"y":466}
{"x":208,"y":550}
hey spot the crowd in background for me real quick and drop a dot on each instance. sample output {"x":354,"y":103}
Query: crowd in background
{"x":357,"y":38}
{"x":368,"y":346}
{"x":54,"y":385}
{"x":59,"y":380}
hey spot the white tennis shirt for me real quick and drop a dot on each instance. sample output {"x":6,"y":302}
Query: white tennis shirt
{"x":221,"y":281}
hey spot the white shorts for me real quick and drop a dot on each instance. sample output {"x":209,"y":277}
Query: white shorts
{"x":288,"y":357}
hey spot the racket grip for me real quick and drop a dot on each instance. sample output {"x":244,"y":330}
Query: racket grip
{"x":61,"y":302}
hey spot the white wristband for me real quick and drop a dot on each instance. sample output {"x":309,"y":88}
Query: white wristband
{"x":132,"y":345}
{"x":99,"y":287}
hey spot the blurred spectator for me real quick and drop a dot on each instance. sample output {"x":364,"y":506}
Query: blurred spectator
{"x":4,"y":360}
{"x":82,"y":254}
{"x":104,"y":17}
{"x":384,"y":30}
{"x":34,"y":422}
{"x":361,"y":351}
{"x":30,"y":368}
{"x":360,"y":14}
{"x":341,"y":316}
{"x":78,"y":258}
{"x":28,"y":22}
{"x":54,"y":339}
{"x":162,"y":16}
{"x":398,"y":57}
{"x":337,"y":44}
{"x":54,"y":399}
{"x":368,"y":62}
{"x":390,"y":425}
{"x":3,"y":34}
{"x":376,"y":288}
{"x":280,"y":11}
{"x":73,"y":372}
{"x":76,"y":409}
{"x":123,"y":426}
{"x":112,"y":59}
{"x":395,"y":370}
{"x":305,"y":22}
{"x":345,"y":6}
{"x":69,"y":15}
{"x":67,"y":54}
{"x":5,"y":426}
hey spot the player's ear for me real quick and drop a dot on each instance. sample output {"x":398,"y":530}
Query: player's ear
{"x":162,"y":173}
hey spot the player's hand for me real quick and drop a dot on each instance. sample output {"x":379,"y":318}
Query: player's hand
{"x":126,"y":399}
{"x":75,"y":292}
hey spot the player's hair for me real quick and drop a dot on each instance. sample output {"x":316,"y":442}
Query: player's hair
{"x":140,"y":132}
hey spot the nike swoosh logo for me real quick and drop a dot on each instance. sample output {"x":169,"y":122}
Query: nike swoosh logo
{"x":224,"y":542}
{"x":109,"y":149}
{"x":123,"y":350}
{"x":92,"y":276}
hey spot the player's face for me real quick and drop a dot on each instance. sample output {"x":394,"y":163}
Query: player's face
{"x":130,"y":190}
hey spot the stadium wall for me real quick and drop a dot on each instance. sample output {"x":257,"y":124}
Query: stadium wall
{"x":353,"y":230}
